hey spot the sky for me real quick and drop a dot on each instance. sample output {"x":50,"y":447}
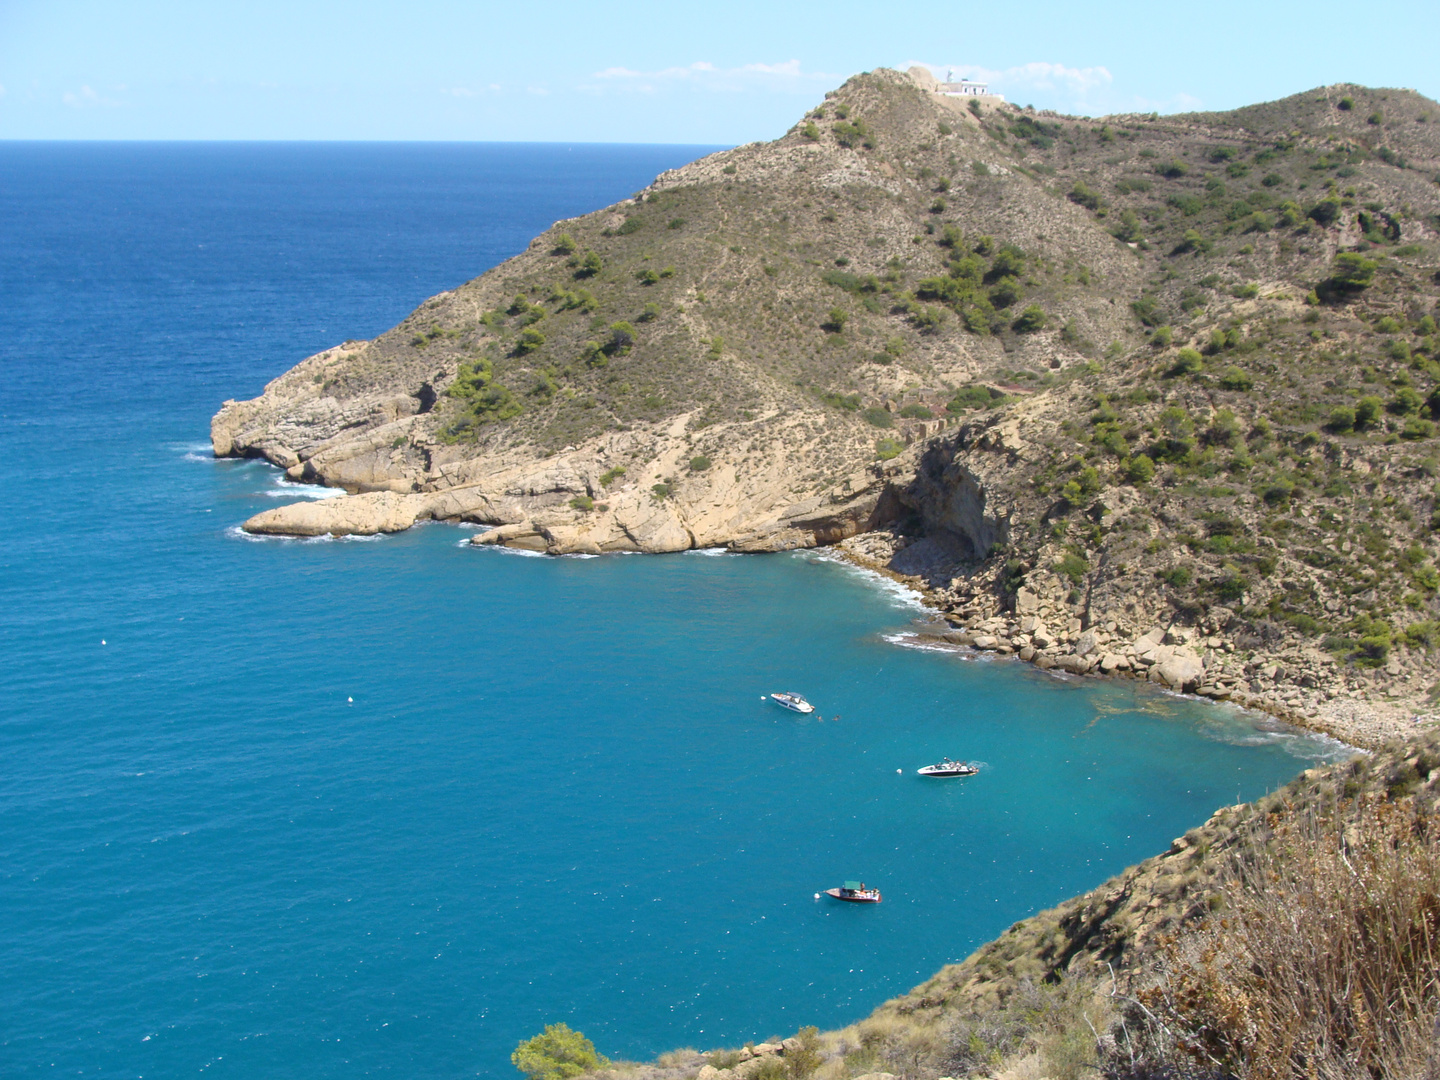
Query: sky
{"x":635,"y":71}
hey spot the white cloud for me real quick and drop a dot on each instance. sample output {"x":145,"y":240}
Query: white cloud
{"x":87,"y":98}
{"x":785,"y":76}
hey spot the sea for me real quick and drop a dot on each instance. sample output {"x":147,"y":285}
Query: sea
{"x":387,"y":807}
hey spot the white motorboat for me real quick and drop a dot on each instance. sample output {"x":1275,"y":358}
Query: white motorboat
{"x":949,"y":768}
{"x":793,"y":702}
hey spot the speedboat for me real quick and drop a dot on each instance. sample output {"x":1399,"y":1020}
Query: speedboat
{"x":855,"y":892}
{"x":793,"y":702}
{"x":949,"y":768}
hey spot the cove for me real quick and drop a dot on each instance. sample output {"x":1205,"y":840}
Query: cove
{"x":324,"y":809}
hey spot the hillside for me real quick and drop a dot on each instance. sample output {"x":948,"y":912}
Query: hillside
{"x":1130,"y":394}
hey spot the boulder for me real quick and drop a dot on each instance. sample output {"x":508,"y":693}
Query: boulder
{"x":1086,"y":643}
{"x":1181,"y":671}
{"x":1076,"y":665}
{"x":985,"y":641}
{"x":1026,"y":602}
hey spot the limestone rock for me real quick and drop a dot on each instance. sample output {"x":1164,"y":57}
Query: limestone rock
{"x":1181,"y":671}
{"x":347,"y":515}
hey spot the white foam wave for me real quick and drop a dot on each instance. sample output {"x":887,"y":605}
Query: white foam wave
{"x":899,"y":593}
{"x":502,"y":549}
{"x":195,"y":455}
{"x":714,"y":552}
{"x":907,"y":640}
{"x":289,"y":489}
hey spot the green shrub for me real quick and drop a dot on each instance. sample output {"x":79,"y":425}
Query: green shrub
{"x":851,"y":135}
{"x":877,"y":417}
{"x":1162,"y":337}
{"x":1006,"y":292}
{"x":1139,"y":470}
{"x":1193,"y":241}
{"x":647,"y":277}
{"x":622,"y":339}
{"x":1235,"y":379}
{"x":917,"y":412}
{"x":557,"y":1053}
{"x":699,"y":463}
{"x":582,"y":502}
{"x":630,"y":225}
{"x":649,"y":313}
{"x":1345,"y":104}
{"x":1176,"y":434}
{"x":845,"y":402}
{"x":564,"y":245}
{"x":1177,"y":577}
{"x":530,"y":340}
{"x":802,"y":1056}
{"x":835,"y":320}
{"x":1030,"y":320}
{"x":1326,"y":211}
{"x":1128,"y":230}
{"x":590,"y":265}
{"x":1083,"y":195}
{"x":1172,"y":169}
{"x":1073,"y":566}
{"x":1417,"y":427}
{"x":1388,"y":325}
{"x":1245,"y":292}
{"x":885,"y":449}
{"x":611,"y":475}
{"x":1342,"y":419}
{"x":1278,"y":493}
{"x":1367,"y":411}
{"x":973,"y":397}
{"x":660,"y":491}
{"x":1187,"y":362}
{"x":1350,"y":273}
{"x":1406,"y":402}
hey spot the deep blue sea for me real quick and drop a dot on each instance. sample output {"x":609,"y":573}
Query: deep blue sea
{"x":385,"y":808}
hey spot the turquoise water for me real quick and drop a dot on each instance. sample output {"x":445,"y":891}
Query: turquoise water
{"x":323,"y":809}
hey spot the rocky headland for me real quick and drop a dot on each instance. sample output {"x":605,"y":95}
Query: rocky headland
{"x":1131,"y":396}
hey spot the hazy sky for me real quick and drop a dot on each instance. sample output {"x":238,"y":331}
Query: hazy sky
{"x":728,"y":71}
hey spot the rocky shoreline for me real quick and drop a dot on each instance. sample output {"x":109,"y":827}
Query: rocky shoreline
{"x":1303,"y":687}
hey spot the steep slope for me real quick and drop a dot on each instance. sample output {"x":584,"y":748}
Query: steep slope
{"x":1135,"y":394}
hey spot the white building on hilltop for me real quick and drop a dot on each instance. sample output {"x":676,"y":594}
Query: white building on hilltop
{"x":964,"y":87}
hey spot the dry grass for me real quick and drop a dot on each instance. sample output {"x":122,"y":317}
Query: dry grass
{"x":1324,"y":961}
